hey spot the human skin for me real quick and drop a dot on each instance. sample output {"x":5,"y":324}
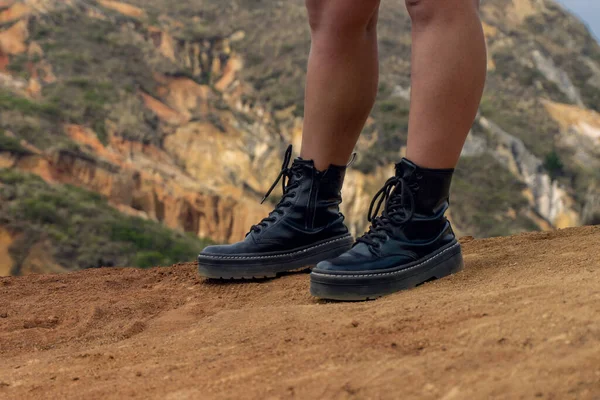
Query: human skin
{"x":448,"y":68}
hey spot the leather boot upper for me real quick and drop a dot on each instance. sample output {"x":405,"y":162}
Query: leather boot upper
{"x":411,"y":225}
{"x":307,"y":212}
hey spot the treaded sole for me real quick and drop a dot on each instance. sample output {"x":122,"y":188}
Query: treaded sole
{"x":271,"y":266}
{"x":370,"y":286}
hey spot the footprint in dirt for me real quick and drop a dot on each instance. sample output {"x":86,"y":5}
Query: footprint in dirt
{"x":47,"y":323}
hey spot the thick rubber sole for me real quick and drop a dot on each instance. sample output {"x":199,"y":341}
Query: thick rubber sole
{"x":372,"y":285}
{"x":259,"y":266}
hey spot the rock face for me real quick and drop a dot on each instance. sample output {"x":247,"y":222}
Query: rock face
{"x":185,"y":119}
{"x":12,"y":40}
{"x":546,"y":197}
{"x":547,"y":67}
{"x":123,"y":8}
{"x":37,"y":260}
{"x":135,"y":187}
{"x":6,"y":261}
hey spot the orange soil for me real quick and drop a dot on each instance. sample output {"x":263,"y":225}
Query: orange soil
{"x":123,"y":8}
{"x":521,"y":321}
{"x":12,"y":40}
{"x":14,"y":11}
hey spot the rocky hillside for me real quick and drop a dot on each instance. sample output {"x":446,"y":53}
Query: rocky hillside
{"x":171,"y":117}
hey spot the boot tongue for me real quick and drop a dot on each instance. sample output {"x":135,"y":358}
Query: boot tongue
{"x":302,"y":167}
{"x":405,"y":168}
{"x":405,"y":199}
{"x":303,"y":162}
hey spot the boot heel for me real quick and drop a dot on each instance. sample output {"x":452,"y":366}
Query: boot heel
{"x":447,"y":267}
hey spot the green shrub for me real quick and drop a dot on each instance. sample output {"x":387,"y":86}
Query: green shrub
{"x":486,"y":107}
{"x":553,"y":165}
{"x":388,"y":106}
{"x":98,"y":63}
{"x":18,"y":65}
{"x":10,"y":101}
{"x":11,"y":176}
{"x":481,"y":200}
{"x":149,"y":258}
{"x":84,"y":230}
{"x":149,"y":238}
{"x":38,"y":211}
{"x":11,"y":145}
{"x":391,"y":124}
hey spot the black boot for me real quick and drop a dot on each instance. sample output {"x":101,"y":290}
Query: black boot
{"x":305,"y":227}
{"x":410,"y":243}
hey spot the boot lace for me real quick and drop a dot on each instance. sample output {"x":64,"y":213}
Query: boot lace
{"x":284,"y":176}
{"x":399,"y":206}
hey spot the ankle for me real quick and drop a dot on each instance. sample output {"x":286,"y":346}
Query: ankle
{"x":322,"y":164}
{"x":425,"y":160}
{"x":430,"y":186}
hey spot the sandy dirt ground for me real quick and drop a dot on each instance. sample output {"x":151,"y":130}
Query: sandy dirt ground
{"x":521,"y":321}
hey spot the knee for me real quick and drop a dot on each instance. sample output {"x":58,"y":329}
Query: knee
{"x":426,"y":11}
{"x":342,"y":15}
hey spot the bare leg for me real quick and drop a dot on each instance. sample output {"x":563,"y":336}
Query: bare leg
{"x":341,"y":82}
{"x":448,"y":75}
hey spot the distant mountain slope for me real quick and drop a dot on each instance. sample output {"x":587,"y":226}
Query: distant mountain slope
{"x":178,"y":112}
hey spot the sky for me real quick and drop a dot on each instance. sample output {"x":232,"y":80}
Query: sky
{"x":587,"y":10}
